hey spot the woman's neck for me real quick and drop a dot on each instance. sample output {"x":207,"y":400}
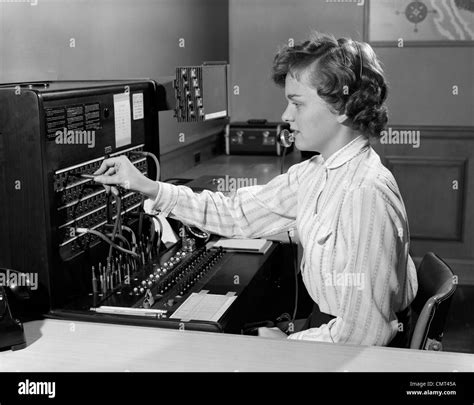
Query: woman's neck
{"x":338,"y":141}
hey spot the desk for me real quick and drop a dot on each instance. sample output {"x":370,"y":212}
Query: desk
{"x":57,"y":345}
{"x":263,"y":168}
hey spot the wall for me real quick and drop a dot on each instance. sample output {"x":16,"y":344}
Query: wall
{"x":258,"y":28}
{"x":421,"y":84}
{"x":113,"y":39}
{"x":420,"y":79}
{"x":420,"y":98}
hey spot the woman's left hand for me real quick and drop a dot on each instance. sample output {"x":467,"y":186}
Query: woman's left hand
{"x":271,"y":333}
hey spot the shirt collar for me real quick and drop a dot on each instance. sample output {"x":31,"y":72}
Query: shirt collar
{"x":347,"y":152}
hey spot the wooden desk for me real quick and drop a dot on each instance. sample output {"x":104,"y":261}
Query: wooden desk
{"x":56,"y":345}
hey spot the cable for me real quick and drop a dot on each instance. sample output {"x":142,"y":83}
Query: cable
{"x":157,"y":178}
{"x":295,"y":264}
{"x":159,"y":222}
{"x":160,"y":234}
{"x":291,"y":249}
{"x":130,"y":230}
{"x":158,"y":240}
{"x":158,"y":219}
{"x":106,"y":239}
{"x":283,"y":159}
{"x":153,"y":156}
{"x":156,"y":231}
{"x":118,"y":202}
{"x":122,"y":238}
{"x":141,"y":214}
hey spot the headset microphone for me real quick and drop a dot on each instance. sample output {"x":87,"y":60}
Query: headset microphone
{"x":286,"y":138}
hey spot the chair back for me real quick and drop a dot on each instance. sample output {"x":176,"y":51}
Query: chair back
{"x":436,"y":286}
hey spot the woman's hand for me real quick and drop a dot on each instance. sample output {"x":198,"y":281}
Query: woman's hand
{"x":271,"y":333}
{"x":121,"y":172}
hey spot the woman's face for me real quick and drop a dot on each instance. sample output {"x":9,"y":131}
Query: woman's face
{"x":309,"y":116}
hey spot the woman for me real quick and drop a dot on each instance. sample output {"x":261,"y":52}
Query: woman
{"x":344,"y":203}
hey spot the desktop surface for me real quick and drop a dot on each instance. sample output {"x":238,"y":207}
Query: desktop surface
{"x":59,"y":345}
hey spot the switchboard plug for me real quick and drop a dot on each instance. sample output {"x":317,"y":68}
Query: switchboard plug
{"x":87,"y":176}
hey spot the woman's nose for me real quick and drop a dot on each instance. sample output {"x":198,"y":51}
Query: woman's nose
{"x":287,"y":116}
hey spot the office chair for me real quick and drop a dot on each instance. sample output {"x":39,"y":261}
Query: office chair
{"x":436,"y":286}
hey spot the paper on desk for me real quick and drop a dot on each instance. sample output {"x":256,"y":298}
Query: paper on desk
{"x":241,"y":244}
{"x":203,"y":307}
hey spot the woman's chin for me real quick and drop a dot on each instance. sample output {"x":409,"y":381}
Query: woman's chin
{"x":299,"y":145}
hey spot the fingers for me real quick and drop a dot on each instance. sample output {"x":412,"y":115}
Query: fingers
{"x":108,"y":174}
{"x":110,"y":171}
{"x":106,"y":164}
{"x":104,"y":179}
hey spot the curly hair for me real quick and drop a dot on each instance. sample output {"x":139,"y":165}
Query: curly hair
{"x":345,"y":73}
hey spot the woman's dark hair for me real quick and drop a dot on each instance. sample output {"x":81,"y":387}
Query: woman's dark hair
{"x":345,"y":73}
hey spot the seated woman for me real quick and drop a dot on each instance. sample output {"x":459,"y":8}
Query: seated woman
{"x":345,"y":205}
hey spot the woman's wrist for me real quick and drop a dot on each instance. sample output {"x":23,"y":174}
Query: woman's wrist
{"x":148,"y":187}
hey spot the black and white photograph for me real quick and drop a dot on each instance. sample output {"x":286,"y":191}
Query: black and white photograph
{"x":212,"y":194}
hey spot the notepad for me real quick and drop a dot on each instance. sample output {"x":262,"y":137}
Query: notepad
{"x":203,"y":307}
{"x":242,"y":245}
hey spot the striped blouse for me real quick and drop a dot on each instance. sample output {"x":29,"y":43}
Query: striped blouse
{"x":353,"y":227}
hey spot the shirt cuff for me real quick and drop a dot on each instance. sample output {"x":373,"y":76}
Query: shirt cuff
{"x":165,"y":200}
{"x":320,"y":334}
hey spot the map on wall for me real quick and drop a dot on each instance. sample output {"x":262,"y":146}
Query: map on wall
{"x":427,"y":20}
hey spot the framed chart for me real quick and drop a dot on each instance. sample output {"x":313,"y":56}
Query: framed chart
{"x":419,"y":23}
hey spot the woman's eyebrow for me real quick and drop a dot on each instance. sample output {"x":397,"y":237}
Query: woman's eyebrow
{"x":292,"y":96}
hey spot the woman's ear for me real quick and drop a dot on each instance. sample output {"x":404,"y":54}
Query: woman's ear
{"x":341,"y":118}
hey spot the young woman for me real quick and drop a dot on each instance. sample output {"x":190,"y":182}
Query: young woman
{"x":344,"y":203}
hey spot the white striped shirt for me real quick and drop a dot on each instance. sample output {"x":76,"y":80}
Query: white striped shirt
{"x":352,"y":225}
